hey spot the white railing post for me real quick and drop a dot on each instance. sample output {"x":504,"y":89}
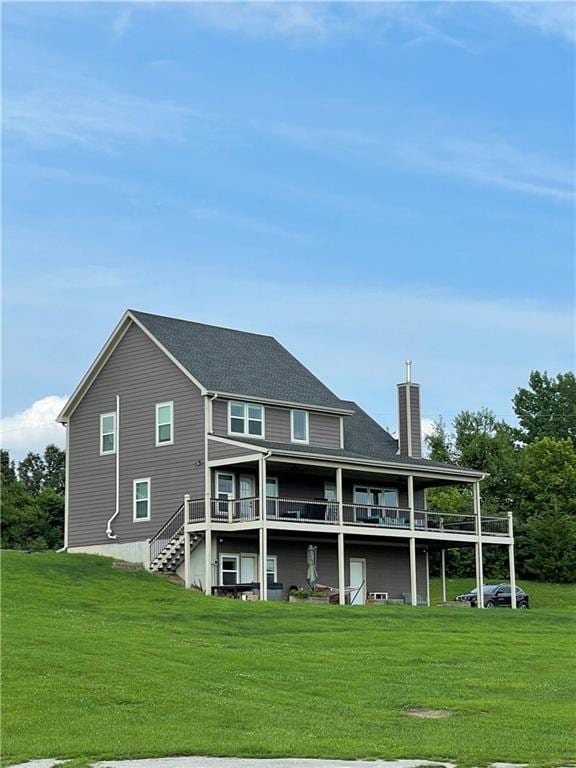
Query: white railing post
{"x":339,"y":498}
{"x":263,"y":533}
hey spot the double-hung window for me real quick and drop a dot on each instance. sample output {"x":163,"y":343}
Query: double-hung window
{"x":299,"y":426}
{"x":141,"y":499}
{"x":107,"y":433}
{"x":164,"y":423}
{"x":245,"y":419}
{"x":272,"y":569}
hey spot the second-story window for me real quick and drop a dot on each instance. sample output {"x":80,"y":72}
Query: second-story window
{"x":245,"y":419}
{"x":299,"y":423}
{"x":107,"y":433}
{"x":164,"y":423}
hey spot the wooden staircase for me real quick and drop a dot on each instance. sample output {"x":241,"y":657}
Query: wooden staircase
{"x":167,"y":546}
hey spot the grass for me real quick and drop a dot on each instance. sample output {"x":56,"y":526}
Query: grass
{"x":104,"y":663}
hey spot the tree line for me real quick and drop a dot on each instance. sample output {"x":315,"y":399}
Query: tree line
{"x":531,"y":473}
{"x":32,"y":502}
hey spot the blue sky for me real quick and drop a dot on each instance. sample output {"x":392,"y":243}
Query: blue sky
{"x":367,"y":182}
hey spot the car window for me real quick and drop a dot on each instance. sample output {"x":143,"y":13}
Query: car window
{"x":505,"y":590}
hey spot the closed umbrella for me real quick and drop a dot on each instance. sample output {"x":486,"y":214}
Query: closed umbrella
{"x":312,"y":563}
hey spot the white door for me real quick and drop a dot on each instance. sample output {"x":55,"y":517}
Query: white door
{"x":247,"y":490}
{"x":248,"y":569}
{"x":357,"y":581}
{"x":224,"y":493}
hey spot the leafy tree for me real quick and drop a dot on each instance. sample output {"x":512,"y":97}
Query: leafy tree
{"x":31,"y":522}
{"x":7,"y":469}
{"x":55,"y":468}
{"x":547,"y":479}
{"x":547,"y":408}
{"x":32,"y":472}
{"x":547,"y":547}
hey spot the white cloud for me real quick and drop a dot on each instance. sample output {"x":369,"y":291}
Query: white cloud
{"x":121,"y":23}
{"x":34,"y":428}
{"x":555,"y":19}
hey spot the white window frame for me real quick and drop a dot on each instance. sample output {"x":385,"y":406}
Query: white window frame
{"x":149,"y":499}
{"x":102,"y":433}
{"x":158,"y":424}
{"x":246,"y":405}
{"x":274,"y":572}
{"x":233,"y":556}
{"x":293,"y":439}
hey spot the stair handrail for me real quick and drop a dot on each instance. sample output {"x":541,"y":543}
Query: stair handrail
{"x":170,"y":530}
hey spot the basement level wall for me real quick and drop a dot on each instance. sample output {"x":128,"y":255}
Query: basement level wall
{"x":142,"y":375}
{"x":387,"y":567}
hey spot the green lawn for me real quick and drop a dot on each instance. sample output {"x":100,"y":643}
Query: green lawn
{"x":102,"y":663}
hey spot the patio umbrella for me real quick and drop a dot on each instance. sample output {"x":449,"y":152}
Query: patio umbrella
{"x":312,"y":563}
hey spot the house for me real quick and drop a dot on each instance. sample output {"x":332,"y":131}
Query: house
{"x":215,"y":453}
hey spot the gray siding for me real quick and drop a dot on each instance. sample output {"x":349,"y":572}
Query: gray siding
{"x":143,"y":376}
{"x":218,"y":450}
{"x":387,"y":567}
{"x":324,"y":427}
{"x":409,"y":393}
{"x":324,"y":430}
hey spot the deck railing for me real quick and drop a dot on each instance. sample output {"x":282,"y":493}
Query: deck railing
{"x":326,"y":512}
{"x":169,"y":531}
{"x":235,"y":510}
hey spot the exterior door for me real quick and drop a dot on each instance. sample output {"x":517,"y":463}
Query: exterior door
{"x":248,"y":569}
{"x":225,"y":493}
{"x":247,"y":490}
{"x":357,"y":581}
{"x":271,"y":497}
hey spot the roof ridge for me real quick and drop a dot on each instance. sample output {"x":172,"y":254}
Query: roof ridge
{"x":205,"y":325}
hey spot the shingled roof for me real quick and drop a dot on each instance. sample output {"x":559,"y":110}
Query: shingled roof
{"x":238,"y":363}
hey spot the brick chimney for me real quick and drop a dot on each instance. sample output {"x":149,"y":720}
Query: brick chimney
{"x":409,"y":422}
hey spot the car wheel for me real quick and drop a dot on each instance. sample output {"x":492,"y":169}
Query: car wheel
{"x":523,"y":606}
{"x":489,"y":604}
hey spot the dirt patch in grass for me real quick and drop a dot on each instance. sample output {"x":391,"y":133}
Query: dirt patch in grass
{"x":429,"y":714}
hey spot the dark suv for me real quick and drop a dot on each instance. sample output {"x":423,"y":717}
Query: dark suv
{"x":496,"y":596}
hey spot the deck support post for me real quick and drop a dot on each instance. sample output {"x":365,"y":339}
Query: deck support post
{"x":187,"y":579}
{"x":263,"y":533}
{"x":413,"y":594}
{"x":208,"y":560}
{"x":443,"y":573}
{"x":341,"y":571}
{"x":512,"y":563}
{"x":479,"y":565}
{"x":263,"y":561}
{"x":341,"y":560}
{"x":428,"y":578}
{"x":413,"y":587}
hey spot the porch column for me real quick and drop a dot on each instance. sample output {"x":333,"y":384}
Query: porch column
{"x":443,"y":573}
{"x":341,"y":571}
{"x":428,"y":578}
{"x":512,"y":563}
{"x":263,"y":534}
{"x":341,"y":556}
{"x":187,"y":580}
{"x":413,"y":594}
{"x":208,"y":560}
{"x":479,"y":568}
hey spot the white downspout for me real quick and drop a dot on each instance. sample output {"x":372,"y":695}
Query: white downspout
{"x":117,"y":510}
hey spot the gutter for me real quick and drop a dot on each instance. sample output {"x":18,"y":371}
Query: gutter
{"x":109,"y":533}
